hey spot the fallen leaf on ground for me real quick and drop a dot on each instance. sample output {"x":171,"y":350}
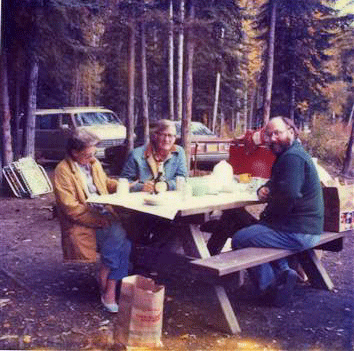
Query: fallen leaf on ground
{"x":4,"y":302}
{"x":7,"y":337}
{"x":27,"y":339}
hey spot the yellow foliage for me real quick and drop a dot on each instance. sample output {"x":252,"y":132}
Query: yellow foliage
{"x":303,"y":106}
{"x":337,"y":93}
{"x":327,"y":140}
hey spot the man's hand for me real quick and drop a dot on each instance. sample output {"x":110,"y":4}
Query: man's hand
{"x":263,"y":193}
{"x":149,"y":186}
{"x":103,"y":222}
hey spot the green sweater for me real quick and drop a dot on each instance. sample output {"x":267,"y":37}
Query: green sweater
{"x":296,"y":203}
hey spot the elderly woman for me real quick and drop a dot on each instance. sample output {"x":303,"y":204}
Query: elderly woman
{"x":160,"y":155}
{"x":88,"y":229}
{"x":162,"y":159}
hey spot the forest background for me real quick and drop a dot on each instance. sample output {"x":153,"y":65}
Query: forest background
{"x":228,"y":63}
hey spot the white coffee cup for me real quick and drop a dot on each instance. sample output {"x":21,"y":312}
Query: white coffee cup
{"x":180,"y":183}
{"x":187,"y":191}
{"x":123,"y":187}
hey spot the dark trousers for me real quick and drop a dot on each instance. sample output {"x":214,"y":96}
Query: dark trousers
{"x":230,"y":222}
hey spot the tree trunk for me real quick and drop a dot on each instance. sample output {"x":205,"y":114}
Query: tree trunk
{"x":171,"y":102}
{"x":144,"y":89}
{"x":270,"y":63}
{"x":252,"y":108}
{"x":350,"y":120}
{"x":217,"y":91}
{"x":216,"y":100}
{"x":349,"y":154}
{"x":187,"y":117}
{"x":131,"y":88}
{"x":6,"y":146}
{"x":245,"y":109}
{"x":222,"y":124}
{"x":31,"y":108}
{"x":180,"y":61}
{"x":76,"y":88}
{"x":16,"y":125}
{"x":292,"y":100}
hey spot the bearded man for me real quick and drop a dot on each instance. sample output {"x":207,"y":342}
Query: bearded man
{"x":293,"y":217}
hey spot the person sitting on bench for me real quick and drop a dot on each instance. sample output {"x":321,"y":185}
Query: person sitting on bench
{"x":86,"y":228}
{"x":293,"y":217}
{"x":150,"y":168}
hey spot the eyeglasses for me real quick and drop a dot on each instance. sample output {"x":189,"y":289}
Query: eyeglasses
{"x":87,"y":155}
{"x":166,"y":135}
{"x":276,"y":133}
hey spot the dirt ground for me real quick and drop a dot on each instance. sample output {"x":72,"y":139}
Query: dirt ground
{"x":46,"y":304}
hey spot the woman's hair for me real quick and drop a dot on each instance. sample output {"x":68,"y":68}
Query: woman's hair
{"x":80,"y":140}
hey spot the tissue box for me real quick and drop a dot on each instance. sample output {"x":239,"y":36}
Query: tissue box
{"x":339,"y":208}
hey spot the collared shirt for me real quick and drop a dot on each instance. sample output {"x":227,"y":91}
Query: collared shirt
{"x":86,"y":175}
{"x":157,"y":166}
{"x":90,"y":187}
{"x":141,"y":166}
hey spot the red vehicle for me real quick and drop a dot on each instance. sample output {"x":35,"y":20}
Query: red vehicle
{"x":246,"y":156}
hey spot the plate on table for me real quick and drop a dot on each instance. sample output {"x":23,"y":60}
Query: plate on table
{"x":157,"y":200}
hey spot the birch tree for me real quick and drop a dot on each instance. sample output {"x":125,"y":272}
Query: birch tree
{"x":180,"y":63}
{"x":270,"y":62}
{"x":171,"y":81}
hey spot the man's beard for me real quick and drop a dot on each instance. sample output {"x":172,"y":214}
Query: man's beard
{"x":280,"y":146}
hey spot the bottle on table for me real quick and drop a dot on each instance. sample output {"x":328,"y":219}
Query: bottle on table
{"x":160,"y":185}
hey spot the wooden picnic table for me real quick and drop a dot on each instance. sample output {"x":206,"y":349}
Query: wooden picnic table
{"x":186,"y":217}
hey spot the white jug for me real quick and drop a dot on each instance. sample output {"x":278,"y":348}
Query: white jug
{"x":223,"y":174}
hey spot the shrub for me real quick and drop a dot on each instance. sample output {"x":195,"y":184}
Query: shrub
{"x":327,"y":140}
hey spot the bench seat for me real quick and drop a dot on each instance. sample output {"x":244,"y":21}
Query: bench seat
{"x":234,"y":261}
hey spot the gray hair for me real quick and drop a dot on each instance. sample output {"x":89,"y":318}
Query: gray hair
{"x":159,"y":127}
{"x":163,"y":124}
{"x":80,"y":140}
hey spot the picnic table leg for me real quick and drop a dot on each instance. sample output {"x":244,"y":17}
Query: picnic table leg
{"x":232,"y":324}
{"x":314,"y":269}
{"x":195,"y":245}
{"x":193,"y":242}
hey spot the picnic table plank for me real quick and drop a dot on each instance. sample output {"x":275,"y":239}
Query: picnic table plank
{"x":232,"y":261}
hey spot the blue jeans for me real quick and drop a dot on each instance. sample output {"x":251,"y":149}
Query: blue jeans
{"x":259,"y":235}
{"x":114,"y":248}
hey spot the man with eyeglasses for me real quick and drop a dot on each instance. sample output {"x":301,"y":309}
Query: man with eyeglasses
{"x":161,"y":154}
{"x":160,"y":157}
{"x":293,"y":216}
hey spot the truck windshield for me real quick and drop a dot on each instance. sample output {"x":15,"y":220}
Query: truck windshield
{"x":96,"y":118}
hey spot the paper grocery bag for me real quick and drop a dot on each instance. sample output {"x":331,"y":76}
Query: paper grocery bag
{"x":139,"y":319}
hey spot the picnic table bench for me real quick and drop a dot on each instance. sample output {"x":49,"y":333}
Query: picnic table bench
{"x":230,"y":262}
{"x":226,"y":263}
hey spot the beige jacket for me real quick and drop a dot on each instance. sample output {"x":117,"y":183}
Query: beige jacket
{"x":78,"y":220}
